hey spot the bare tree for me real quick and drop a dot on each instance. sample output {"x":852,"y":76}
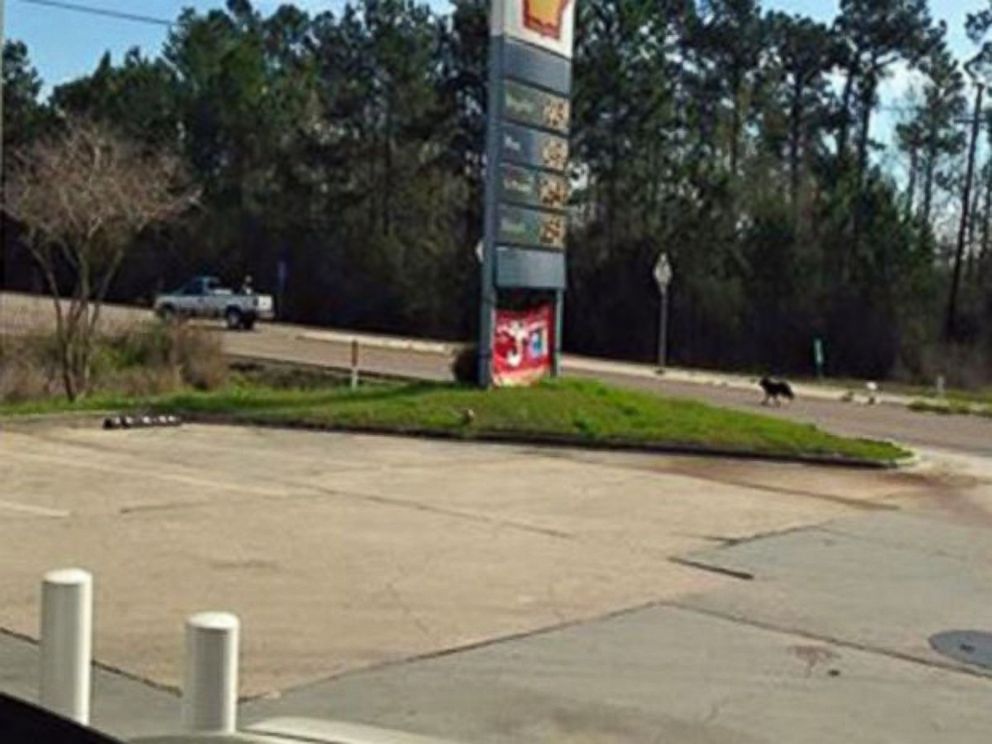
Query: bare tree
{"x":84,"y":196}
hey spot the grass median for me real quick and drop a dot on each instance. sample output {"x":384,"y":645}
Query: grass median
{"x":561,"y":411}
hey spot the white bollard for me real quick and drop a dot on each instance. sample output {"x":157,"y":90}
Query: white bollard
{"x":67,"y":643}
{"x":210,"y":689}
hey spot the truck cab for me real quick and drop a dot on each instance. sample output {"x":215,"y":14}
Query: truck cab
{"x":199,"y":286}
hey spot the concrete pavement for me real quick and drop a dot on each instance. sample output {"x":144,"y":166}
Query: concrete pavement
{"x":662,"y":674}
{"x":823,"y":637}
{"x":382,"y":548}
{"x":342,"y":553}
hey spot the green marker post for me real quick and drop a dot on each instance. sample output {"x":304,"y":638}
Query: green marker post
{"x":819,"y":358}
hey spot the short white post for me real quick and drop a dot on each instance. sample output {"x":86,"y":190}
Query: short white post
{"x":354,"y":364}
{"x":67,"y":643}
{"x":210,"y":689}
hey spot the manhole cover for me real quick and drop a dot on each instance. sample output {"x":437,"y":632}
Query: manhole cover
{"x":969,"y":646}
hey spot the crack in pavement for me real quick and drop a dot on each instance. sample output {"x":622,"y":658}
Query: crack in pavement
{"x":304,"y":491}
{"x":101,"y":666}
{"x":309,"y":491}
{"x":471,"y":646}
{"x":713,"y":568}
{"x":421,"y":507}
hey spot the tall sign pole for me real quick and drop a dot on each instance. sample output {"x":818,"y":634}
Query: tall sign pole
{"x":527,"y":187}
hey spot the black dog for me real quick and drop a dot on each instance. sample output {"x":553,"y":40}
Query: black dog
{"x":775,"y":390}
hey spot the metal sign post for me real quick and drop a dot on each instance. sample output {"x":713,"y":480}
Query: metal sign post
{"x":527,"y":186}
{"x":663,"y":277}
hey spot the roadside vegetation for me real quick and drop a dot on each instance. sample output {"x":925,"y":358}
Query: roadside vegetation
{"x":146,"y":360}
{"x":169,"y":370}
{"x":84,"y":195}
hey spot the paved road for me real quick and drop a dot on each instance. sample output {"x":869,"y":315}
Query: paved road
{"x":427,"y":360}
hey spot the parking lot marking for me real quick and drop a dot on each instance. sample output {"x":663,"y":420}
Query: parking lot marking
{"x":39,"y":511}
{"x":146,"y":474}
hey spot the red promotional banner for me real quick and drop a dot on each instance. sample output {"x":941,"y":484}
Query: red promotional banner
{"x":523,"y":346}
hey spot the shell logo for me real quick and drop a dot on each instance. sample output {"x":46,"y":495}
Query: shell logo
{"x":545,"y":16}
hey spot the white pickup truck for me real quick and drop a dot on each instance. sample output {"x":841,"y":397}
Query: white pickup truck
{"x":204,"y":297}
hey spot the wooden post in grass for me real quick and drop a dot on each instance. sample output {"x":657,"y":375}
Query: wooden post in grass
{"x":354,"y":364}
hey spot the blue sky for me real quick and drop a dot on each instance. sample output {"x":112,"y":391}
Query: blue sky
{"x":65,"y":44}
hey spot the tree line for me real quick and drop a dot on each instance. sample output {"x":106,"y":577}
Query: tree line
{"x":347,"y":149}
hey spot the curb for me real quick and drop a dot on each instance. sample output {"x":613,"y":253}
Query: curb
{"x":914,"y":460}
{"x":551,"y":441}
{"x":950,"y":408}
{"x":375,"y":341}
{"x":548,"y":441}
{"x":336,"y":371}
{"x":73,"y":419}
